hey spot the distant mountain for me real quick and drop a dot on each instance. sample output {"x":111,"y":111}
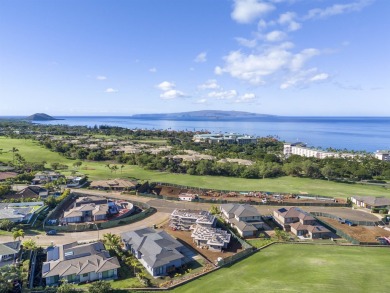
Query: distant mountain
{"x":40,"y":117}
{"x":204,"y":115}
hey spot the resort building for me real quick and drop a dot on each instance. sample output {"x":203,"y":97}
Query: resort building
{"x":156,"y":250}
{"x":77,"y":263}
{"x":300,"y":223}
{"x":382,"y":155}
{"x":300,"y":149}
{"x":187,"y":219}
{"x":246,"y":219}
{"x":229,"y":138}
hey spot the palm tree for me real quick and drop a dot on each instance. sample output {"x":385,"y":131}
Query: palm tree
{"x":13,"y":150}
{"x":18,"y":233}
{"x":112,"y":241}
{"x":133,"y":262}
{"x":122,"y":166}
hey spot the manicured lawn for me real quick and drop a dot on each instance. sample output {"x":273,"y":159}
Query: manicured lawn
{"x":32,"y":151}
{"x":301,"y":268}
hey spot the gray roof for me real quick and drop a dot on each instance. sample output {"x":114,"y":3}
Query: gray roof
{"x":373,"y":201}
{"x":240,"y":210}
{"x":9,"y":247}
{"x":157,"y":247}
{"x":243,"y":226}
{"x":78,"y":259}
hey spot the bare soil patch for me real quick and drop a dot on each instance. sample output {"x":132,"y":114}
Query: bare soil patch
{"x":361,"y":233}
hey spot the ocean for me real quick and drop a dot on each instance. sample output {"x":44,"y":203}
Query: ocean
{"x":352,"y":133}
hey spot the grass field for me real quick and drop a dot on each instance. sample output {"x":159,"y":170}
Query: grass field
{"x":32,"y":151}
{"x":301,"y":268}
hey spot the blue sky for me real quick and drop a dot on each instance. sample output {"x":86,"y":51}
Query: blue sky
{"x":282,"y":57}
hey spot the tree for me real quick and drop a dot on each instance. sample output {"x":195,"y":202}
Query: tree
{"x":77,"y":164}
{"x":67,"y":288}
{"x":8,"y":276}
{"x":112,"y":241}
{"x":17,"y":234}
{"x":13,"y":150}
{"x":214,"y":210}
{"x":6,"y":225}
{"x":30,"y":244}
{"x":122,"y":166}
{"x":100,"y":287}
{"x":133,"y":262}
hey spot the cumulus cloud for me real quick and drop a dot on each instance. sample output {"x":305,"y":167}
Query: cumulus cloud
{"x":201,"y":58}
{"x":318,"y":77}
{"x":172,"y":94}
{"x":166,"y":86}
{"x":223,"y":95}
{"x":209,"y":84}
{"x":288,"y":19}
{"x":201,"y":101}
{"x":246,"y":98}
{"x":246,"y":11}
{"x":110,"y":90}
{"x":299,"y":59}
{"x":101,"y":77}
{"x":169,"y":91}
{"x":153,"y":70}
{"x":247,"y":43}
{"x":275,"y":36}
{"x":338,"y":9}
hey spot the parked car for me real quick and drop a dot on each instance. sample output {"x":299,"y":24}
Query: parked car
{"x":51,"y":232}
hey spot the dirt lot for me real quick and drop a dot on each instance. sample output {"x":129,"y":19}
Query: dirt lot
{"x":248,"y":197}
{"x":361,"y":233}
{"x":212,"y":256}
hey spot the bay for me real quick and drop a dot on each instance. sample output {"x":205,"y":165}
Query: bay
{"x":352,"y":133}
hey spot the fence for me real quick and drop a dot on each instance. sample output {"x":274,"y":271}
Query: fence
{"x":340,"y":232}
{"x":358,"y":223}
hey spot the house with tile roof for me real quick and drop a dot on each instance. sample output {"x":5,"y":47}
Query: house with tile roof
{"x":77,"y":263}
{"x":33,"y":192}
{"x":156,"y":250}
{"x":300,"y":223}
{"x":245,"y":218}
{"x":371,"y":202}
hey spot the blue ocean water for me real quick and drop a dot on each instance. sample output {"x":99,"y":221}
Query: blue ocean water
{"x":353,"y":133}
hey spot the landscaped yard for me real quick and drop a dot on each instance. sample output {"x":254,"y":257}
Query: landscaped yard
{"x":32,"y":151}
{"x":301,"y":268}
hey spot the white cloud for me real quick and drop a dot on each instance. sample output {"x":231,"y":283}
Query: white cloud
{"x":257,"y":66}
{"x":246,"y":11}
{"x":247,"y":43}
{"x":210,"y":84}
{"x":304,"y":78}
{"x":110,"y":90}
{"x":288,"y":19}
{"x":299,"y":59}
{"x":201,"y":58}
{"x":201,"y":101}
{"x":153,"y":70}
{"x":246,"y":98}
{"x":318,"y":77}
{"x":101,"y":77}
{"x":172,"y":94}
{"x":166,"y":86}
{"x":275,"y":36}
{"x":337,"y":9}
{"x":223,"y":95}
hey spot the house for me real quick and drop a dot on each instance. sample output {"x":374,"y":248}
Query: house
{"x":383,"y":155}
{"x":245,"y":218}
{"x":77,"y":263}
{"x":156,"y":250}
{"x":115,"y":184}
{"x":214,"y":239}
{"x":86,"y":213}
{"x":75,"y":181}
{"x":18,"y":212}
{"x":33,"y":192}
{"x":370,"y":202}
{"x":300,"y":223}
{"x":45,"y":177}
{"x":9,"y":250}
{"x":187,"y":196}
{"x":7,"y":175}
{"x":187,"y":219}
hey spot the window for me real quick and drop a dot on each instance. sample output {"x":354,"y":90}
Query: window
{"x":85,"y":275}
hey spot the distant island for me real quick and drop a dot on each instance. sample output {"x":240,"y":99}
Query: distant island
{"x":40,"y":117}
{"x":205,"y":115}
